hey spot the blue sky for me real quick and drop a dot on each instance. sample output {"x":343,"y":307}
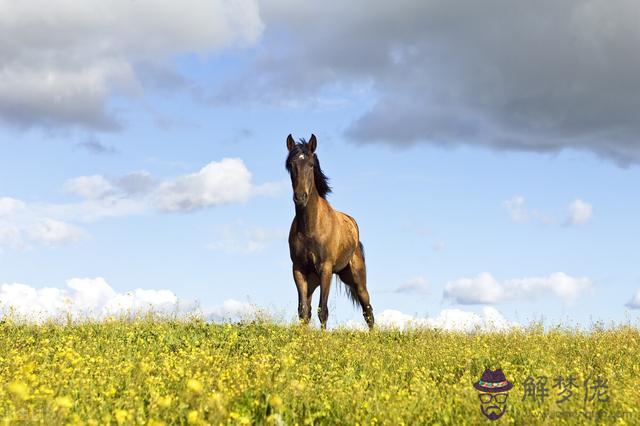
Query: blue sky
{"x":498,"y":190}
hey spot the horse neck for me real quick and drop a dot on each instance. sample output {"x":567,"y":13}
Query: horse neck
{"x":309,"y":215}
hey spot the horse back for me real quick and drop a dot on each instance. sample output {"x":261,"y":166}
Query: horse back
{"x":350,"y":223}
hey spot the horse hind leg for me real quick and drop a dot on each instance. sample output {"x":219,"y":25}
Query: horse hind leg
{"x":354,"y":275}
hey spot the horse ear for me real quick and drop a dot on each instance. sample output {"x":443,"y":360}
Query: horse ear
{"x":313,"y":143}
{"x":290,"y":142}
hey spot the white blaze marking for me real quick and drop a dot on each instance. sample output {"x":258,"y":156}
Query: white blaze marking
{"x":301,"y":156}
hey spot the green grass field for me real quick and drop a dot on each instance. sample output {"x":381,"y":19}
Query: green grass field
{"x":152,"y":371}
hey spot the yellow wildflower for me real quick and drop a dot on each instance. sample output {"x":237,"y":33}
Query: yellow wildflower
{"x":121,"y":416}
{"x":194,"y":386}
{"x":275,"y":402}
{"x":192,"y":417}
{"x":63,"y":402}
{"x":19,"y":389}
{"x":164,"y":401}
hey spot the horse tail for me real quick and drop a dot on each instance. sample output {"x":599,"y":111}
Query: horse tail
{"x":361,"y":249}
{"x":351,"y":292}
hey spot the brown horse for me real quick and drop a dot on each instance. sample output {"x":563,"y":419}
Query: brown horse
{"x":322,"y":241}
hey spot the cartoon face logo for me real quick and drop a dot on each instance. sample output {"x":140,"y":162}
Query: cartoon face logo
{"x":493,"y":387}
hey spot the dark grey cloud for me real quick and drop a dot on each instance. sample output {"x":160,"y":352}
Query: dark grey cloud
{"x":24,"y":106}
{"x":509,"y":75}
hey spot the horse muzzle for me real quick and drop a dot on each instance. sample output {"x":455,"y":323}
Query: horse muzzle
{"x":301,"y":199}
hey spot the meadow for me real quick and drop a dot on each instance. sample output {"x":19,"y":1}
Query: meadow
{"x":151,"y":371}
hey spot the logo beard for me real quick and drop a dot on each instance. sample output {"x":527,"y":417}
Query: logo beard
{"x":492,"y":412}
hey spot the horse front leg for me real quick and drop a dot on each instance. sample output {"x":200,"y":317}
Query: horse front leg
{"x":304,"y":306}
{"x":325,"y":284}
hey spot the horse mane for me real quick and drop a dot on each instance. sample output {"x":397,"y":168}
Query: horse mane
{"x":321,"y":180}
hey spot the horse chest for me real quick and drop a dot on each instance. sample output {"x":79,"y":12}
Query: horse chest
{"x":306,"y":252}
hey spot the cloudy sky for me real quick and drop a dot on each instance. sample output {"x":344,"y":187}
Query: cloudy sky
{"x":489,"y":152}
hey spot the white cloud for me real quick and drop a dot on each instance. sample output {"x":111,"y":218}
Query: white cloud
{"x":18,"y":234}
{"x":519,"y":213}
{"x":141,"y":300}
{"x":91,"y":210}
{"x":94,"y":298}
{"x":9,"y":206}
{"x":50,"y":231}
{"x":219,"y":182}
{"x":482,"y":289}
{"x":580,"y":213}
{"x":64,"y":73}
{"x":83,"y":298}
{"x":240,"y":238}
{"x":10,"y":237}
{"x":485,"y":289}
{"x":223,"y":182}
{"x":490,"y":319}
{"x":516,"y":209}
{"x":89,"y":187}
{"x":414,"y":285}
{"x":634,"y":303}
{"x":90,"y":293}
{"x":232,"y":310}
{"x":25,"y":301}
